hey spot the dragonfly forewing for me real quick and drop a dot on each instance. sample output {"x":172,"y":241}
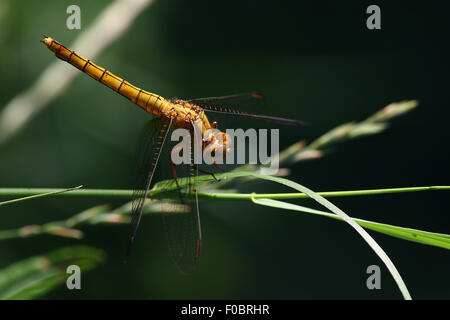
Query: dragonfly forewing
{"x":154,"y":137}
{"x":227,"y":105}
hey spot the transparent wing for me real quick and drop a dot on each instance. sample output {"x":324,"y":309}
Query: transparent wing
{"x":154,"y":137}
{"x":183,"y":226}
{"x":250,"y":96}
{"x":227,"y":104}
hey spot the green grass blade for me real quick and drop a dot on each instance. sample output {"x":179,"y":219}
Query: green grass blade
{"x":424,"y":237}
{"x":46,"y":194}
{"x":38,"y":275}
{"x":370,"y":241}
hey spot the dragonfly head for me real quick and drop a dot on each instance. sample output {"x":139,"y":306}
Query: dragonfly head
{"x":216,"y":141}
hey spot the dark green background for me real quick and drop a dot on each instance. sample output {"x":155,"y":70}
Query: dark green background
{"x":314,"y":61}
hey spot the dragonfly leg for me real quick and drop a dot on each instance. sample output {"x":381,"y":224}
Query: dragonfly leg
{"x":174,"y":174}
{"x":210,"y":173}
{"x":218,"y":167}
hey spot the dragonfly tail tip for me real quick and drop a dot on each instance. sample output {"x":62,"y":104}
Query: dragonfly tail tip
{"x":46,"y":39}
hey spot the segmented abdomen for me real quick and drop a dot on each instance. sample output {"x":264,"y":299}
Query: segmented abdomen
{"x":150,"y":102}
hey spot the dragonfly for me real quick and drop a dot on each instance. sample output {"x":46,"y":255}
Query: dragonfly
{"x":183,"y":228}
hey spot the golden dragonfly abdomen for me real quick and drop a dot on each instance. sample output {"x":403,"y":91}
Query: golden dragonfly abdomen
{"x":182,"y":113}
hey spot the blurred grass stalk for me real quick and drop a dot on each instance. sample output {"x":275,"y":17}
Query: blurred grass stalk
{"x":301,"y":151}
{"x":107,"y":27}
{"x":101,"y":214}
{"x":376,"y":123}
{"x":38,"y":275}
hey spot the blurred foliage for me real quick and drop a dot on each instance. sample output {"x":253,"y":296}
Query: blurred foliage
{"x":36,"y":276}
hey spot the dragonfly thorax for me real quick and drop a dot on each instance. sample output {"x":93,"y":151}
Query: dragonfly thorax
{"x":186,"y":115}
